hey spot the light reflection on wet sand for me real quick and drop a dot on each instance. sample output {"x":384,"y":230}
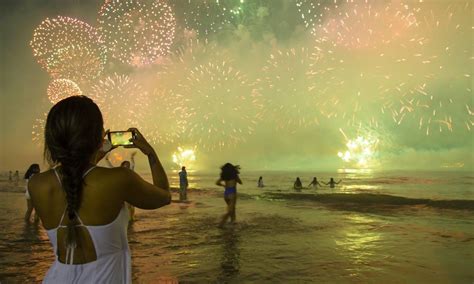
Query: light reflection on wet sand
{"x":293,"y":240}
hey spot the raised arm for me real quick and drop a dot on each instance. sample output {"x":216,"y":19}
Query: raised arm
{"x":141,"y":193}
{"x":339,"y":181}
{"x":238,"y":180}
{"x":132,"y":160}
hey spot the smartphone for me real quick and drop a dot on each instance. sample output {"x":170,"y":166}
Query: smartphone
{"x":121,"y":138}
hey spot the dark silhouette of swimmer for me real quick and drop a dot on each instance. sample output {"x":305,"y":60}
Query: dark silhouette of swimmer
{"x":229,"y":179}
{"x":297,"y":185}
{"x":314,"y":183}
{"x":332,"y":183}
{"x":260,"y":182}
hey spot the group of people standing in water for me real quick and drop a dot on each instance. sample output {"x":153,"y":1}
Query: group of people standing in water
{"x":298,"y":185}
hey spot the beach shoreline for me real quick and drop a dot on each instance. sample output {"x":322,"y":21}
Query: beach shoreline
{"x":280,"y":234}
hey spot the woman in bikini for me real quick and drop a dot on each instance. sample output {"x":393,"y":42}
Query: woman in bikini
{"x":229,"y":179}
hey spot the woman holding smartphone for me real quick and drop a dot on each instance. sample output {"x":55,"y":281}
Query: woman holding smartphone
{"x":81,"y":205}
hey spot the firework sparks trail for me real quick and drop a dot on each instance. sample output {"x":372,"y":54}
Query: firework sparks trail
{"x":204,"y":17}
{"x":122,"y":101}
{"x":136,"y":32}
{"x":291,"y":89}
{"x":60,"y":89}
{"x":447,"y":62}
{"x":68,"y":48}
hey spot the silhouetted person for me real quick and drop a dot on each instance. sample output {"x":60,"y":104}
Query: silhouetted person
{"x":314,"y":183}
{"x":298,"y":185}
{"x":183,"y":184}
{"x":32,"y":170}
{"x":16,"y":177}
{"x":332,"y":183}
{"x":229,"y":179}
{"x":129,"y":165}
{"x":260,"y":182}
{"x":10,"y":178}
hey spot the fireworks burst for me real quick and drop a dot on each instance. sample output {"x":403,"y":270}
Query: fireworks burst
{"x":184,"y":157}
{"x":123,"y":102}
{"x":205,"y":17}
{"x":216,"y":103}
{"x":312,"y":11}
{"x":75,"y":63}
{"x":365,"y":86}
{"x":165,"y":127}
{"x":291,"y":88}
{"x":60,"y":89}
{"x":68,"y":48}
{"x":137,"y":32}
{"x":447,"y":61}
{"x":360,"y":152}
{"x":37,"y":132}
{"x":366,"y":24}
{"x":368,"y":63}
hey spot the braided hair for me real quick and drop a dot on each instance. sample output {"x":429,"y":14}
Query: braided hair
{"x":73,"y":134}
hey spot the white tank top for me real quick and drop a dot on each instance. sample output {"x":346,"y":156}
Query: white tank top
{"x":113,"y":264}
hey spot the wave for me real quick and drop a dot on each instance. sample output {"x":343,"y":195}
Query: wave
{"x":368,"y":199}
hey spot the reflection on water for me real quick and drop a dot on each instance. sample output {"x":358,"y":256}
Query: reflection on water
{"x":298,"y":238}
{"x":230,"y":259}
{"x":359,"y":188}
{"x":360,"y":243}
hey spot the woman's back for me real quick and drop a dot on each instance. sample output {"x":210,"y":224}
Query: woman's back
{"x":102,"y":254}
{"x":81,"y":205}
{"x":230,"y":183}
{"x":101,"y":198}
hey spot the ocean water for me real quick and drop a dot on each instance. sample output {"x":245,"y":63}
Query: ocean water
{"x":391,"y":227}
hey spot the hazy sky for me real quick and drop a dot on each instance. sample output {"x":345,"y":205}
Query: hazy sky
{"x":304,"y":95}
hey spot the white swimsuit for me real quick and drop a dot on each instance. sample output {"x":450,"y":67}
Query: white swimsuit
{"x":113,"y":264}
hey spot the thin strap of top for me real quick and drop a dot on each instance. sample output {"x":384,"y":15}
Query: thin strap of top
{"x":64,"y":213}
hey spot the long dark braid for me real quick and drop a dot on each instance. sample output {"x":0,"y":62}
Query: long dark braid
{"x":73,"y":134}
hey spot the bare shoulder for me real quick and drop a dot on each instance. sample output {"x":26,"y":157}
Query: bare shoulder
{"x":117,"y":177}
{"x":40,"y":181}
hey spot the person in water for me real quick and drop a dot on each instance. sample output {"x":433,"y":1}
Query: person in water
{"x":81,"y":205}
{"x":128,"y":165}
{"x":260,"y":182}
{"x":10,"y":176}
{"x":332,"y":183}
{"x":16,"y":176}
{"x":298,"y":185}
{"x":314,"y":183}
{"x":229,"y":179}
{"x":32,"y":170}
{"x":183,"y":184}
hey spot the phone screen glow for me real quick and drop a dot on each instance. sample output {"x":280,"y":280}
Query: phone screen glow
{"x":121,"y":138}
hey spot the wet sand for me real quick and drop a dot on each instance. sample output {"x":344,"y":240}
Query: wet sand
{"x":275,"y":241}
